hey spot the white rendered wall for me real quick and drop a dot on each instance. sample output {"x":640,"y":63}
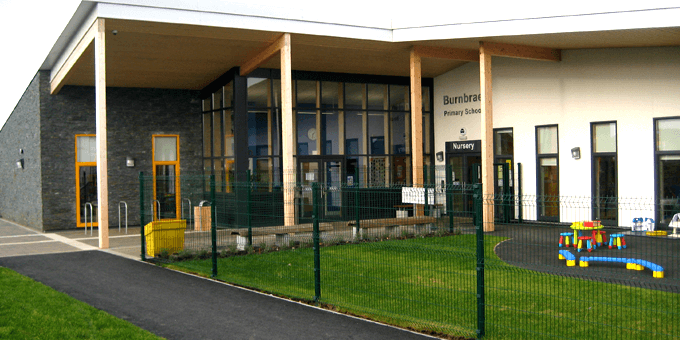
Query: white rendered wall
{"x":629,"y":86}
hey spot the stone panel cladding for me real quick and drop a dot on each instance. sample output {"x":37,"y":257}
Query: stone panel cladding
{"x":134,"y":115}
{"x":20,"y":189}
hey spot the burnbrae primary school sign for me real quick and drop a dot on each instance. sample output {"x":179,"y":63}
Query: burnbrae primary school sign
{"x":462,"y":99}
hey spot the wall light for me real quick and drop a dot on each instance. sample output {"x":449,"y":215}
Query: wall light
{"x":130,"y":162}
{"x":20,"y":163}
{"x":440,"y":156}
{"x":576,"y":153}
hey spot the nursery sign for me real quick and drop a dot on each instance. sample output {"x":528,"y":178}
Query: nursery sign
{"x":464,"y":147}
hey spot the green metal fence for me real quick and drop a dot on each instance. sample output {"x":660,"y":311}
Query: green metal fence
{"x":426,"y":258}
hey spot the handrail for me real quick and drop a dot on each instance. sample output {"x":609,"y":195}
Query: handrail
{"x":91,"y":218}
{"x":126,"y":216}
{"x":186,"y":199}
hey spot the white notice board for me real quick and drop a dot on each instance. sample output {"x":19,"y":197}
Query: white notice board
{"x":417,"y":196}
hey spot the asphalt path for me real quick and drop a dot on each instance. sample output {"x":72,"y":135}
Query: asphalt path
{"x":174,"y":305}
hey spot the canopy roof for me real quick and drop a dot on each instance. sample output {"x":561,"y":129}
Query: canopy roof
{"x":188,"y":44}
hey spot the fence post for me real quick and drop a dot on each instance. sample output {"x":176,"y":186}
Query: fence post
{"x":315,"y":239}
{"x":357,"y":204}
{"x":506,"y":193}
{"x":248,"y":219}
{"x":426,"y":208}
{"x":213,"y":225}
{"x":478,"y":205}
{"x":519,"y":193}
{"x":141,"y":213}
{"x":449,"y":204}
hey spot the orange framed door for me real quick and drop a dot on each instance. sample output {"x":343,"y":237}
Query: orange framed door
{"x":166,"y":188}
{"x":86,"y":180}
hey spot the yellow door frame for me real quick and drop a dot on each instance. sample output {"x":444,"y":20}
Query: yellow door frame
{"x":177,"y":177}
{"x":78,"y":165}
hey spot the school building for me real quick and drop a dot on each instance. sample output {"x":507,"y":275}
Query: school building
{"x":586,"y":99}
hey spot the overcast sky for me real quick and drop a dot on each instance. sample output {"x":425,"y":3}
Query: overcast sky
{"x":28,"y":29}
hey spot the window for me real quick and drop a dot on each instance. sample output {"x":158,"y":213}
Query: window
{"x":667,"y":168}
{"x":547,"y":179}
{"x":218,"y":137}
{"x":345,"y":116}
{"x":604,"y":173}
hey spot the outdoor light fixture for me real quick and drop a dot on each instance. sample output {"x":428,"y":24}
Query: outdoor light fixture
{"x":130,"y":162}
{"x":576,"y":153}
{"x":440,"y":156}
{"x":20,"y":163}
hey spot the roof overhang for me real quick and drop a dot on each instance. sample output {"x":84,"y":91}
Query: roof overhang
{"x":189,"y":47}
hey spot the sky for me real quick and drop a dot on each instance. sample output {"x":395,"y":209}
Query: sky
{"x":28,"y":29}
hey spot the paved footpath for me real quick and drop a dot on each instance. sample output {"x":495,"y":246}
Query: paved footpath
{"x":174,"y":305}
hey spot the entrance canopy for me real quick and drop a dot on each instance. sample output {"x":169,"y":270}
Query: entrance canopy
{"x":185,"y":45}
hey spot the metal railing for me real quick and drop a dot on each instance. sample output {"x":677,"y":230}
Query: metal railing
{"x":439,"y":263}
{"x":124,"y":204}
{"x":88,"y":204}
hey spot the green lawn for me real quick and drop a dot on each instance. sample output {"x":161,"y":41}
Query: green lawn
{"x":31,"y":310}
{"x":429,"y":284}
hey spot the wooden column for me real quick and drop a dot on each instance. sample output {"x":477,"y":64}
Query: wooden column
{"x":102,"y":164}
{"x":288,"y":145}
{"x":416,"y":123}
{"x":487,"y":137}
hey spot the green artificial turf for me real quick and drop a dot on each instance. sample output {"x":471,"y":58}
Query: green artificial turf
{"x":31,"y":310}
{"x":429,"y":284}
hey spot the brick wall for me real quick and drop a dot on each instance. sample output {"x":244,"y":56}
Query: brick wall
{"x":133,"y":117}
{"x":20,"y":189}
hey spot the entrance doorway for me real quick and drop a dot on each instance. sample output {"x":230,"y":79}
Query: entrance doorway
{"x":464,"y":170}
{"x":86,"y":180}
{"x":503,"y":179}
{"x":328,"y":173}
{"x":166,"y":177}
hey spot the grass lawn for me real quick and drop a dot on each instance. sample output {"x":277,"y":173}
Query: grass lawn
{"x":31,"y":310}
{"x":429,"y":284}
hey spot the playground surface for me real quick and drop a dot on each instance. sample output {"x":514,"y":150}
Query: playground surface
{"x":535,"y":247}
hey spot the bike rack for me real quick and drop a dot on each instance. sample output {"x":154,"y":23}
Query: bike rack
{"x":186,"y":199}
{"x":126,"y":216}
{"x":158,"y":210}
{"x":88,"y":204}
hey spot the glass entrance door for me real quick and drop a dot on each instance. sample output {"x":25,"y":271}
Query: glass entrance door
{"x":86,"y":180}
{"x":605,"y":205}
{"x":328,"y":174}
{"x":504,"y":202}
{"x":464,"y":170}
{"x":548,"y":190}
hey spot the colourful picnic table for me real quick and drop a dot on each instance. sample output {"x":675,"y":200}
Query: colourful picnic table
{"x":592,"y":226}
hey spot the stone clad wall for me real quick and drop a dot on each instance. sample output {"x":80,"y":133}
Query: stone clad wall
{"x":20,"y":189}
{"x":133,"y":116}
